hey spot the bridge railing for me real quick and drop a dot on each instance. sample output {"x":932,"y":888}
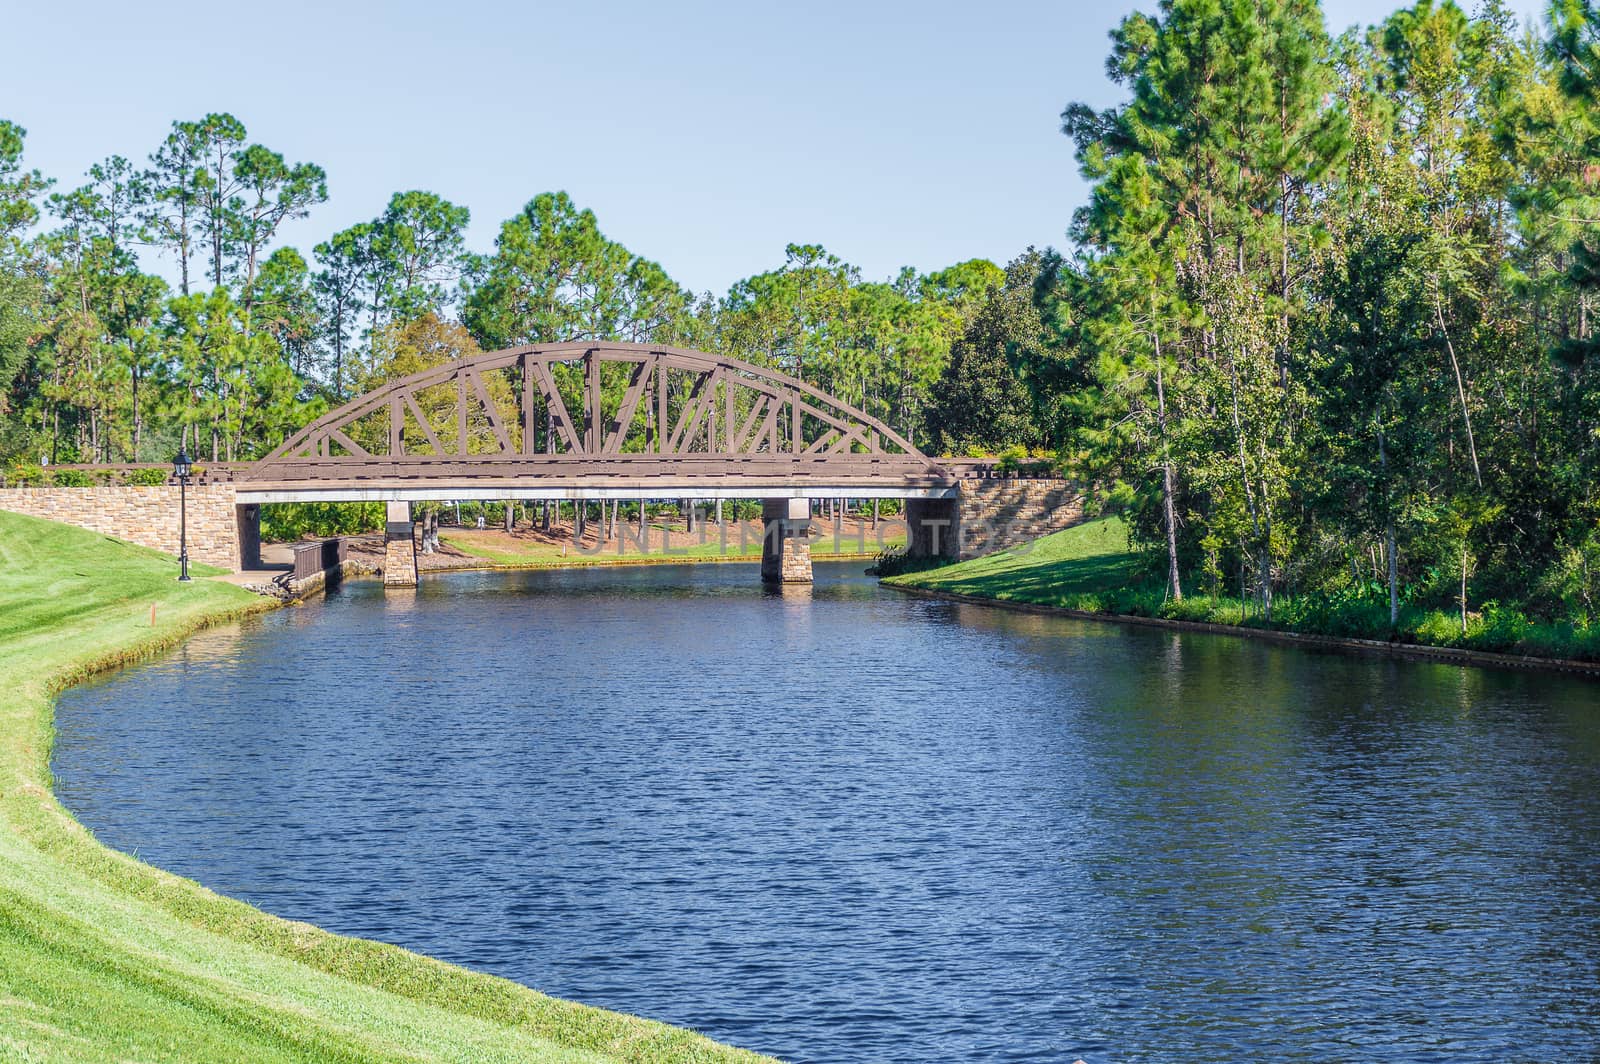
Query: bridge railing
{"x":109,"y":474}
{"x":996,"y":469}
{"x":318,"y":556}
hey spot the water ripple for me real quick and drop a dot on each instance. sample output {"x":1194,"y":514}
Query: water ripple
{"x":849,"y":826}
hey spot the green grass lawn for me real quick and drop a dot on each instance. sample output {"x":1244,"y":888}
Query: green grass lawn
{"x":103,"y":958}
{"x":1090,"y":568}
{"x":1067,"y":569}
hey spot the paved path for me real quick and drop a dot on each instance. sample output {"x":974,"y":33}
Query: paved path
{"x":276,"y":559}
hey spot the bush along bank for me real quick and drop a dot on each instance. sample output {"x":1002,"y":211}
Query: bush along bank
{"x":1090,"y":569}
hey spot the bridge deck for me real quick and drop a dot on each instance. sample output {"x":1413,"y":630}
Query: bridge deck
{"x":626,"y":476}
{"x":589,"y":488}
{"x":576,"y":477}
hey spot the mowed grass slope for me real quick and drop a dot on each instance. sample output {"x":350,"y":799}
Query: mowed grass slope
{"x":1065,"y":569}
{"x":106,"y":959}
{"x":1089,"y":568}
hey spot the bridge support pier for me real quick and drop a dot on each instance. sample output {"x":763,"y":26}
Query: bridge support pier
{"x":933,"y":528}
{"x":400,"y":547}
{"x":247,"y":518}
{"x":786,"y":543}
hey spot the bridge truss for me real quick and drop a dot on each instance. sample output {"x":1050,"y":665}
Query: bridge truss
{"x":593,"y":420}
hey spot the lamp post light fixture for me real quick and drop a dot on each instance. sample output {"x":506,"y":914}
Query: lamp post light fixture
{"x":181,"y":468}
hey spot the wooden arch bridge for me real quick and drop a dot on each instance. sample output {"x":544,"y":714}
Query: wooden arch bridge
{"x":594,"y":421}
{"x":606,"y":421}
{"x":587,"y":421}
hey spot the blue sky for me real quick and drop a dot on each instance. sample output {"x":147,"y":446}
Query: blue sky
{"x":705,"y":136}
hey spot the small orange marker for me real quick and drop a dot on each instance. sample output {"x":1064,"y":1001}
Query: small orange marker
{"x":152,"y":615}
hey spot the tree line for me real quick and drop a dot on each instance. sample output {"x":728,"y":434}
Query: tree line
{"x":1327,"y":323}
{"x":103,"y":361}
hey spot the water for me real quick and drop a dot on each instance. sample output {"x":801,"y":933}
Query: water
{"x":846,"y":825}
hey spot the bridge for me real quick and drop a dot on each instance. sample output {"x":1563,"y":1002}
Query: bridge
{"x":584,"y":422}
{"x":594,"y":421}
{"x":600,"y":421}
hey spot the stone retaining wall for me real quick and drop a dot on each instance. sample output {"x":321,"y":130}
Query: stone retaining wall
{"x":146,"y":515}
{"x":991,"y":514}
{"x":997,"y":513}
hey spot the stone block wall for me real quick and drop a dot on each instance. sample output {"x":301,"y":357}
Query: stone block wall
{"x":785,"y":546}
{"x":997,"y":513}
{"x":146,"y":515}
{"x":399,"y":546}
{"x":991,"y":514}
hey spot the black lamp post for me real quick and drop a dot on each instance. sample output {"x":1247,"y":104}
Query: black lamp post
{"x":181,"y":468}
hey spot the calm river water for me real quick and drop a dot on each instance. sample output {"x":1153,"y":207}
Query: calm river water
{"x":847,"y":825}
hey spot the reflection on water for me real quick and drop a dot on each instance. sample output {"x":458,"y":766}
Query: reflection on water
{"x":836,"y":824}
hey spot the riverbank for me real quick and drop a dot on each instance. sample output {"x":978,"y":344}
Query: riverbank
{"x":1088,"y":572}
{"x":103,"y":958}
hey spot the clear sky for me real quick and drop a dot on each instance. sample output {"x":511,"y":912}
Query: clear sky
{"x":705,"y":136}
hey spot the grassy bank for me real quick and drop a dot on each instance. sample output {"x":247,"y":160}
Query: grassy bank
{"x":1090,"y":569}
{"x":106,"y":959}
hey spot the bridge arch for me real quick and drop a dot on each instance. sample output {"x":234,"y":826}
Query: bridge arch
{"x":556,"y":420}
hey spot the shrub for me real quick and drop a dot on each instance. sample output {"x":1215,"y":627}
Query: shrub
{"x":1194,"y":608}
{"x":26,"y":474}
{"x":894,"y":561}
{"x":1011,"y":460}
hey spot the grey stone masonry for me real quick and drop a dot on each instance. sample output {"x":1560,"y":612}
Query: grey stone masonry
{"x":785,"y":544}
{"x":991,"y":514}
{"x":933,"y":527}
{"x":146,"y":515}
{"x":399,"y":546}
{"x":1002,"y":512}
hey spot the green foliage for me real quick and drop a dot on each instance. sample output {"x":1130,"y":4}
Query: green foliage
{"x":1090,"y":568}
{"x":894,"y":561}
{"x":1017,"y":460}
{"x":1011,"y":460}
{"x":18,"y":187}
{"x":236,"y":387}
{"x":19,"y":299}
{"x":991,"y":392}
{"x":879,"y":346}
{"x":284,"y":522}
{"x":1322,"y":354}
{"x":22,"y":474}
{"x":554,"y":276}
{"x":1328,"y":321}
{"x":283,"y":304}
{"x":98,"y":362}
